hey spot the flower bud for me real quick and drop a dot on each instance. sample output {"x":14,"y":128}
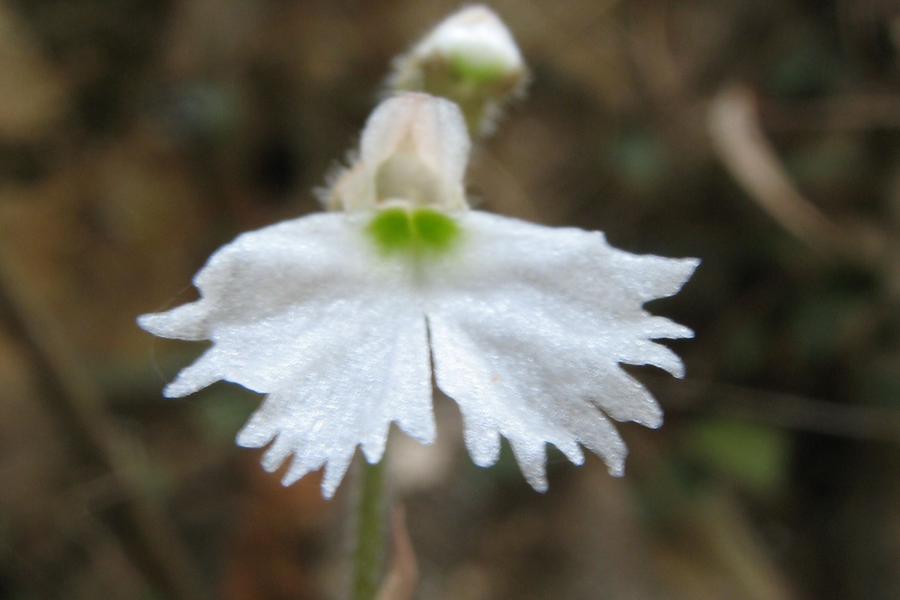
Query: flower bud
{"x":470,"y":58}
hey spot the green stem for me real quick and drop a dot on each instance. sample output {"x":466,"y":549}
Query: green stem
{"x":369,"y":532}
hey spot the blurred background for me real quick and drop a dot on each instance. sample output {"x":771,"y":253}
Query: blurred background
{"x":762,"y":136}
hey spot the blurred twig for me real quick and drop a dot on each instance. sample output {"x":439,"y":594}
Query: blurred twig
{"x":400,"y":583}
{"x":785,"y":410}
{"x":142,"y":527}
{"x":748,"y":155}
{"x":848,"y":113}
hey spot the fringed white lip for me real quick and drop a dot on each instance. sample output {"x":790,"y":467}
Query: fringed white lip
{"x":528,"y":325}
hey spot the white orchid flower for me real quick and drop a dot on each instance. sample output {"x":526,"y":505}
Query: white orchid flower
{"x":342,"y":317}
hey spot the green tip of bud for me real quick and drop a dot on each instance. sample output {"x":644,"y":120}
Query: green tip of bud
{"x":474,"y":71}
{"x":418,"y":230}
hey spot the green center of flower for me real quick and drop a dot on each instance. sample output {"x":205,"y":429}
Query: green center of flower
{"x":417,"y":230}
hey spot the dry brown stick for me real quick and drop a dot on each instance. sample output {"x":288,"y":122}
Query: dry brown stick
{"x":843,"y":113}
{"x":780,"y":409}
{"x":733,"y":540}
{"x":145,"y":532}
{"x":748,"y":155}
{"x":400,"y":582}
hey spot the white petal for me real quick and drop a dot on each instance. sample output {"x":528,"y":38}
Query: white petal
{"x":205,"y":371}
{"x":187,"y":322}
{"x":528,"y":326}
{"x":308,"y":312}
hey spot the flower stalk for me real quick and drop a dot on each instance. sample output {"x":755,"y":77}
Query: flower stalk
{"x":369,"y":554}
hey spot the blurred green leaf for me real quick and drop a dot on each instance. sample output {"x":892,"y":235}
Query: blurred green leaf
{"x":823,"y":324}
{"x":827,"y":162}
{"x":808,"y":67}
{"x":744,"y":349}
{"x":753,"y":456}
{"x":879,"y":382}
{"x":640,"y":160}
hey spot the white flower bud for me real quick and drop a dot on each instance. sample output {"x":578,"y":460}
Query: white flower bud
{"x":470,"y":58}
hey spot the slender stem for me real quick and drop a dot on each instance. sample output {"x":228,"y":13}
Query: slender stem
{"x":369,"y":532}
